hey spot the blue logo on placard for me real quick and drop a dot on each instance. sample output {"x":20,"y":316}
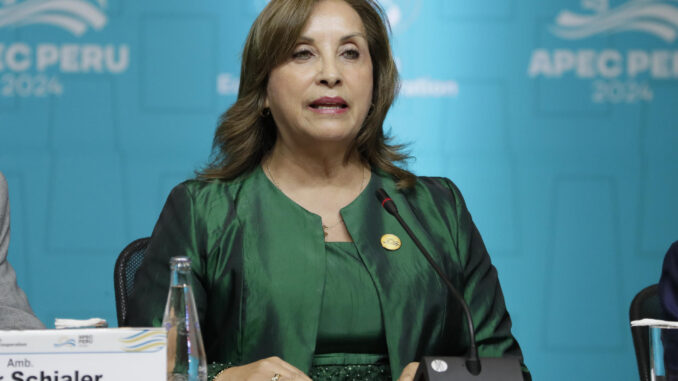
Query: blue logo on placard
{"x":64,"y":342}
{"x":144,"y":341}
{"x":655,"y":17}
{"x":74,"y":16}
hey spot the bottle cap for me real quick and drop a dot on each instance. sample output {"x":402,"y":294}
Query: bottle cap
{"x":180,"y":260}
{"x":180,"y":263}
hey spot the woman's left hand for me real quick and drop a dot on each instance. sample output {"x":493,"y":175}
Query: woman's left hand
{"x":409,"y":371}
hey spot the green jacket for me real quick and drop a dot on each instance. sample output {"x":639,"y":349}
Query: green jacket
{"x":259,"y":270}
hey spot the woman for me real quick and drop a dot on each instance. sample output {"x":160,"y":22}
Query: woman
{"x":283,"y":228}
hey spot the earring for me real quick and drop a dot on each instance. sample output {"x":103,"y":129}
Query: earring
{"x":265,"y":113}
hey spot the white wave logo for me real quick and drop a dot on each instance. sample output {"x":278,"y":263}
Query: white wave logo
{"x":655,"y":17}
{"x":401,"y":13}
{"x":75,"y":16}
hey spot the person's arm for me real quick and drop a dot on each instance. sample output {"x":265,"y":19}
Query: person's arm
{"x":181,"y":231}
{"x":482,"y":291}
{"x":668,"y":283}
{"x":178,"y":232}
{"x":668,"y":298}
{"x":15,"y":312}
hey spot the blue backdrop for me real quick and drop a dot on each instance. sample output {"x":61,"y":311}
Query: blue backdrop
{"x":555,"y":118}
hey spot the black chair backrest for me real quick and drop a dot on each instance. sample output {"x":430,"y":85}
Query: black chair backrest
{"x":126,"y":268}
{"x":644,"y":305}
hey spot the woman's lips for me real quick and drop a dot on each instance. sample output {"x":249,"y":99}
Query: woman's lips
{"x":329,"y":105}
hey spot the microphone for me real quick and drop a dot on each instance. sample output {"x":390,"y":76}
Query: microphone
{"x":472,"y":361}
{"x":436,"y":368}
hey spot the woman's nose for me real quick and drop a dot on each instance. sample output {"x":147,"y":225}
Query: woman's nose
{"x":329,"y":74}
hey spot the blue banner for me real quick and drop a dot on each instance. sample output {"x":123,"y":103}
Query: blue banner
{"x":555,"y":118}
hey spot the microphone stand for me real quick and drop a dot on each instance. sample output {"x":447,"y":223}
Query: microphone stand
{"x":455,"y":368}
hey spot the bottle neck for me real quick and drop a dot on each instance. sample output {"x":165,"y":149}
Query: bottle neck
{"x":181,"y":275}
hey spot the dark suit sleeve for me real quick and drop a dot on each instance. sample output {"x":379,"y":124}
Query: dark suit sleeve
{"x":178,"y":232}
{"x":482,"y":291}
{"x":15,"y":312}
{"x":668,"y":283}
{"x":668,"y":297}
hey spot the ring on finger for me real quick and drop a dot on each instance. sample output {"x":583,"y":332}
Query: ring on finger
{"x":275,"y":377}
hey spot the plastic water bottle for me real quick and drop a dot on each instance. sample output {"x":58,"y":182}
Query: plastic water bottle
{"x":186,"y":360}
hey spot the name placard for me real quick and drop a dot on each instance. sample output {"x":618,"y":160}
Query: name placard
{"x":97,"y":354}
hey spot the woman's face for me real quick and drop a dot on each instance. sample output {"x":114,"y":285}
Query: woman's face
{"x":324,"y":91}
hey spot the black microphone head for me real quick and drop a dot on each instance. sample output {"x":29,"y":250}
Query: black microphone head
{"x":386,"y":201}
{"x":381,"y":195}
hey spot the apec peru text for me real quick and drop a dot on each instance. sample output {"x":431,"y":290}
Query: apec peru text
{"x":65,"y":58}
{"x":608,"y":63}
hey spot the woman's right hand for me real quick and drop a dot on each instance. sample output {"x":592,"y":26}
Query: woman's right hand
{"x":263,"y":370}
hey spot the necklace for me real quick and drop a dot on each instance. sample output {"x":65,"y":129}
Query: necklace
{"x":325,"y":227}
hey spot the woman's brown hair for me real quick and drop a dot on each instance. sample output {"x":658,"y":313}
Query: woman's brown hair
{"x":246,"y":131}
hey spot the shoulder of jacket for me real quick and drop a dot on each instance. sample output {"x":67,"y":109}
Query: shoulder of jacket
{"x":198,"y":188}
{"x":439,"y":185}
{"x":210,"y":197}
{"x":442,"y":191}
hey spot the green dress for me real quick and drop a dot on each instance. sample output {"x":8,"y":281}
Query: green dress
{"x":260,"y":268}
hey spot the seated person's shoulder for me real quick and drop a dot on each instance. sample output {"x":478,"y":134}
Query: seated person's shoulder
{"x":440,"y":189}
{"x":670,"y":266}
{"x":673,"y":251}
{"x":436,"y":184}
{"x":205,"y":197}
{"x":208,"y":190}
{"x":668,"y":283}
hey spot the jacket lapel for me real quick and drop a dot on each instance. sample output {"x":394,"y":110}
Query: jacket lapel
{"x":412,"y":300}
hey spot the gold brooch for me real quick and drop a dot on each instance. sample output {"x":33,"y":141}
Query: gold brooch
{"x":390,"y":242}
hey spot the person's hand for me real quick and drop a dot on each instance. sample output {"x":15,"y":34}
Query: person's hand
{"x":409,"y":371}
{"x":272,"y":368}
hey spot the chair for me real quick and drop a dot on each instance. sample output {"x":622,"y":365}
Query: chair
{"x":126,"y":267}
{"x":644,"y":305}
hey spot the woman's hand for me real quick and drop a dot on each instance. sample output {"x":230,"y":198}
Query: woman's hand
{"x":409,"y":371}
{"x":272,"y":368}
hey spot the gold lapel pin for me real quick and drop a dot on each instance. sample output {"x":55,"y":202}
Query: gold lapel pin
{"x":390,"y":242}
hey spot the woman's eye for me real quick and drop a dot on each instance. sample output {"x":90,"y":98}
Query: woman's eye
{"x":302,"y":54}
{"x":351,"y":54}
